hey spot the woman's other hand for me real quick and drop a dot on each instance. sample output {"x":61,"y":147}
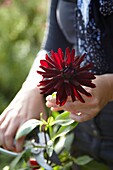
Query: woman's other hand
{"x":101,"y":95}
{"x":26,"y":105}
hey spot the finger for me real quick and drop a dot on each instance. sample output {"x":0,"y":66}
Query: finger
{"x":19,"y":144}
{"x":50,"y":98}
{"x":50,"y":104}
{"x":56,"y":108}
{"x":2,"y":130}
{"x":8,"y":129}
{"x":9,"y":136}
{"x":69,"y":106}
{"x":2,"y":117}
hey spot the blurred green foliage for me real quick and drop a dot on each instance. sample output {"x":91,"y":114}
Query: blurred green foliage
{"x":22,"y":24}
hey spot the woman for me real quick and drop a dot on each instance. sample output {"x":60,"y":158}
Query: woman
{"x":87,"y":27}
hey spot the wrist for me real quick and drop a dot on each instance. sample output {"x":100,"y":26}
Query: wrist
{"x":33,"y":77}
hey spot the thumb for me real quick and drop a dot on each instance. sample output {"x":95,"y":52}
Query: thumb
{"x":19,"y":144}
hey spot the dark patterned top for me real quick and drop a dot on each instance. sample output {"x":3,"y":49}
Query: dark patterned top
{"x":89,"y":35}
{"x":72,"y":23}
{"x":106,"y":7}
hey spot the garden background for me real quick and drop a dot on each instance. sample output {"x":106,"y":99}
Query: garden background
{"x":22,"y":24}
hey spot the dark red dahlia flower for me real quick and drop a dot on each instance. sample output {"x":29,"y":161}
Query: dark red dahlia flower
{"x":64,"y":75}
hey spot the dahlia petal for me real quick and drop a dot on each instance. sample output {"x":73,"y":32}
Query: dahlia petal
{"x":50,"y":60}
{"x":47,"y":75}
{"x":40,"y":72}
{"x":48,"y":83}
{"x":74,"y":82}
{"x":48,"y":87}
{"x":46,"y":63}
{"x":72,"y":55}
{"x":68,"y":56}
{"x":72,"y":93}
{"x":59,"y":62}
{"x":86,"y":67}
{"x":83,"y":91}
{"x":61,"y":96}
{"x":45,"y":91}
{"x":50,"y":70}
{"x":59,"y":84}
{"x":86,"y":82}
{"x":76,"y":58}
{"x":61,"y":54}
{"x":79,"y":60}
{"x":78,"y":95}
{"x":85,"y":75}
{"x":69,"y":91}
{"x":61,"y":57}
{"x":56,"y":59}
{"x":44,"y":82}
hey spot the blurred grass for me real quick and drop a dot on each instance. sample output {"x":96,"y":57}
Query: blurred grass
{"x":22,"y":24}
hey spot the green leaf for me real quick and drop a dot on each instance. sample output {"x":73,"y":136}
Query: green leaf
{"x":16,"y":160}
{"x":64,"y":130}
{"x":27,"y":127}
{"x":55,"y":114}
{"x":94,"y":165}
{"x":57,"y":167}
{"x":69,"y":141}
{"x":64,"y":119}
{"x":54,"y":95}
{"x":50,"y":121}
{"x":64,"y":115}
{"x":82,"y":160}
{"x":68,"y":165}
{"x":60,"y":144}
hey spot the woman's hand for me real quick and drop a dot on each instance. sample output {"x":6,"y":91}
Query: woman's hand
{"x":26,"y":105}
{"x":101,"y":95}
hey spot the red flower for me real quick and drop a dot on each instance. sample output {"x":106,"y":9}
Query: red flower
{"x":64,"y":75}
{"x":33,"y":163}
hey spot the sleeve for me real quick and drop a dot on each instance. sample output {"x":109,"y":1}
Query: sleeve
{"x":54,"y":38}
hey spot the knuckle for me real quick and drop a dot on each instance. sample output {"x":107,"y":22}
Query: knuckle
{"x":96,"y":105}
{"x":7,"y":136}
{"x":2,"y":129}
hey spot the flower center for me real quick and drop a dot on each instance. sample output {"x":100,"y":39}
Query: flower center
{"x":68,"y":72}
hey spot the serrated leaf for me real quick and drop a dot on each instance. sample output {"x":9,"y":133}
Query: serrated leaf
{"x":82,"y":160}
{"x":27,"y":127}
